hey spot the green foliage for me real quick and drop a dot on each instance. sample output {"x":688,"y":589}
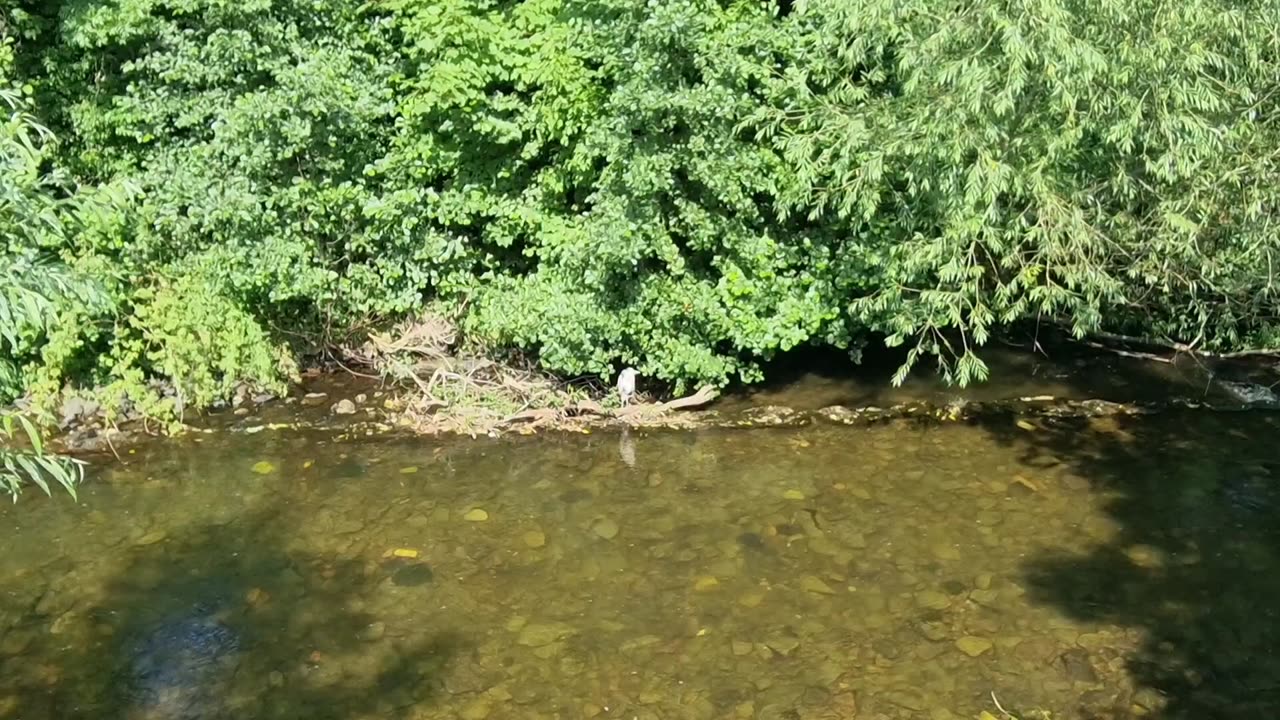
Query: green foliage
{"x":1109,"y":165}
{"x":589,"y":152}
{"x":37,"y":299}
{"x":32,"y":465}
{"x":687,"y":187}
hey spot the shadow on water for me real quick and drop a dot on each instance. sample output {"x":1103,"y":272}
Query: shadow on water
{"x":229,"y":620}
{"x":1191,"y":558}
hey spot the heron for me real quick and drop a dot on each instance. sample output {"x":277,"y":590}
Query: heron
{"x":627,"y":385}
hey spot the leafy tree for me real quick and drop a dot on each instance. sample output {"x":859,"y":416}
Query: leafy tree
{"x":687,"y":187}
{"x":1109,"y":165}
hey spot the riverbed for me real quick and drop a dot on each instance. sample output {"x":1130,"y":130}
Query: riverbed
{"x":1109,"y":567}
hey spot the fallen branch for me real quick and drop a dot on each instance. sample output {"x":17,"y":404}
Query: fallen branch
{"x":698,"y":399}
{"x":1175,"y":346}
{"x":1130,"y":353}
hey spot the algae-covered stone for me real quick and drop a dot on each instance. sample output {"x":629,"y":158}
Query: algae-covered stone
{"x":541,"y":634}
{"x":152,"y":537}
{"x":373,"y":631}
{"x":973,"y":646}
{"x":946,"y":551}
{"x":783,"y":644}
{"x":605,"y":528}
{"x":814,"y":584}
{"x":478,"y":709}
{"x":705,"y":583}
{"x":933,"y":600}
{"x":984,"y":597}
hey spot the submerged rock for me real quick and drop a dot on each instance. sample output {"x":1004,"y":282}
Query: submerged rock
{"x":605,"y":528}
{"x":180,"y":669}
{"x":973,"y":646}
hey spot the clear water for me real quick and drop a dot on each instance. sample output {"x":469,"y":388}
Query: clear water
{"x":1095,"y":569}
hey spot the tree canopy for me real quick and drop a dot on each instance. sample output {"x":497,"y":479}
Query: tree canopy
{"x":688,"y":187}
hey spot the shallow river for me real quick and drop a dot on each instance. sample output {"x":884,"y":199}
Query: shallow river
{"x":1106,"y":568}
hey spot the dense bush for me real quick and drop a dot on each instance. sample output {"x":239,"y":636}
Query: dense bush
{"x":688,"y":186}
{"x":1006,"y":159}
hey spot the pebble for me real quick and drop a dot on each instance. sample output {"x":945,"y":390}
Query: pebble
{"x":152,"y":537}
{"x":815,"y":584}
{"x":933,"y":600}
{"x":984,"y":597}
{"x":973,"y":646}
{"x":1145,"y":556}
{"x":1075,"y":664}
{"x":983,"y":581}
{"x":373,"y":631}
{"x":540,"y":635}
{"x":934,"y":631}
{"x":344,"y":407}
{"x":475,"y":515}
{"x":476,"y":710}
{"x":413,"y":575}
{"x":946,"y":551}
{"x":534,"y":539}
{"x":1149,"y":699}
{"x":705,"y":583}
{"x":741,"y":648}
{"x":783,"y":644}
{"x":751,"y":600}
{"x":256,"y":597}
{"x":605,"y":528}
{"x":314,"y":398}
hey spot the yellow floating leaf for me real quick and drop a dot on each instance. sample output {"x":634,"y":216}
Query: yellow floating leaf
{"x":1025,"y":425}
{"x":476,"y":515}
{"x":703,"y":632}
{"x":308,"y":464}
{"x":262,"y":467}
{"x":409,"y":470}
{"x":793,"y":495}
{"x":409,"y":553}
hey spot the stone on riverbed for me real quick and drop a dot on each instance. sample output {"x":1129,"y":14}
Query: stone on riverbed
{"x":973,"y":646}
{"x":605,"y":528}
{"x":816,"y":585}
{"x":541,"y":634}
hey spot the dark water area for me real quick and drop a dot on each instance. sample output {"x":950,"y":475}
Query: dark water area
{"x":1115,"y":567}
{"x":813,"y":379}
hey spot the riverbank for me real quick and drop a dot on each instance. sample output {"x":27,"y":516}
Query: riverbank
{"x":443,"y":392}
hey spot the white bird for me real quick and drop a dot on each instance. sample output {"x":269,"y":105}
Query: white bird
{"x":627,"y":385}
